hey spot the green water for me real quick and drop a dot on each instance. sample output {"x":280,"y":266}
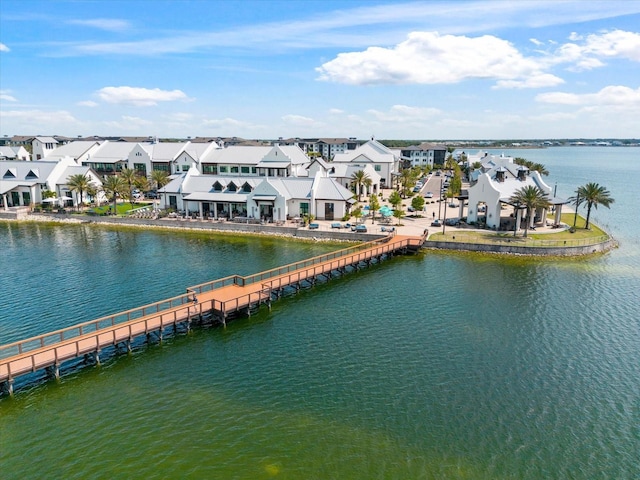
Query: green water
{"x":431,"y":366}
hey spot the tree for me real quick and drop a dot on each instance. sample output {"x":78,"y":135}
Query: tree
{"x":79,"y":183}
{"x":128,"y":177}
{"x":593,"y":195}
{"x":398,"y":213}
{"x":395,"y":199}
{"x":418,"y":203}
{"x":531,"y":197}
{"x":159,"y":178}
{"x":537,"y":167}
{"x":112,"y":187}
{"x":357,"y":213}
{"x":360,"y":179}
{"x":374,"y":205}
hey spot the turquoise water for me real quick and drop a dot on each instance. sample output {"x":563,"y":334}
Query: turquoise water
{"x":431,"y":366}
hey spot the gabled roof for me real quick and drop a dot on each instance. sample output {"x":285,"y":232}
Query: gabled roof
{"x":238,"y":155}
{"x":74,"y":150}
{"x":112,"y":152}
{"x":165,"y":151}
{"x":46,"y":139}
{"x":374,"y":151}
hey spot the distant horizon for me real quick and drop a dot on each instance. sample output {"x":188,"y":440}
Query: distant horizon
{"x":284,"y":68}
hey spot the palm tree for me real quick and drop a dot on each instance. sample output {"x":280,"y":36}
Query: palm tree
{"x":407,"y":180}
{"x":112,"y":187}
{"x":128,"y":177}
{"x":531,"y":197}
{"x":78,"y":183}
{"x":593,"y":195}
{"x":159,"y":178}
{"x":360,"y":179}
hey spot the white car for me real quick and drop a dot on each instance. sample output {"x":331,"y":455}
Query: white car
{"x":428,"y":195}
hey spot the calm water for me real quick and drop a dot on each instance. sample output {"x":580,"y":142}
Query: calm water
{"x":432,"y":366}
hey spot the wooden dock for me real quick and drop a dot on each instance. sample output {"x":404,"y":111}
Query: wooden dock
{"x":217,"y":300}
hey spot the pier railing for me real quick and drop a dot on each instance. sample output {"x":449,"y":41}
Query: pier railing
{"x":274,"y":272}
{"x":51,"y":338}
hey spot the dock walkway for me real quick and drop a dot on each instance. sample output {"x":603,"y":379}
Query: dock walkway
{"x":218,"y":300}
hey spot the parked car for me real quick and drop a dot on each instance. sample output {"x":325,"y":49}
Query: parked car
{"x":361,"y":228}
{"x":436,"y":223}
{"x":152,"y":195}
{"x":452,"y":222}
{"x":428,"y":195}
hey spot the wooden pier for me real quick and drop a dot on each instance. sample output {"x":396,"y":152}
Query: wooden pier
{"x":218,"y":300}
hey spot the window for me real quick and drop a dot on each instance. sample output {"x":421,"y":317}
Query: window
{"x":210,"y":169}
{"x":235,"y":169}
{"x":223,"y":169}
{"x":246,"y":188}
{"x":140,"y":168}
{"x":377,"y":168}
{"x":244,"y":169}
{"x":217,"y":187}
{"x":232,"y":187}
{"x":254,"y":170}
{"x":185,"y":168}
{"x":304,"y":208}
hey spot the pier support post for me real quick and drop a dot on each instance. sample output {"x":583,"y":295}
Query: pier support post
{"x":8,"y":386}
{"x":96,"y":357}
{"x":129,"y":345}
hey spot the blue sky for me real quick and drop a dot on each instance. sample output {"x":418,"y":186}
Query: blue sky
{"x":349,"y":68}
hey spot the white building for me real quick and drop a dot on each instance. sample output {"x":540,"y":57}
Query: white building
{"x":385,"y":161}
{"x":14,"y":153}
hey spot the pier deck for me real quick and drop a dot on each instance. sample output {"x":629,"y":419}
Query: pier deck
{"x":218,"y":299}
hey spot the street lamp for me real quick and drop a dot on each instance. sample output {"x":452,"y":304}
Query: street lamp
{"x":444,"y":221}
{"x":441,"y":196}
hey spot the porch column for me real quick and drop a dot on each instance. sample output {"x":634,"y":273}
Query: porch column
{"x":215,"y":210}
{"x":556,"y":219}
{"x":6,"y":202}
{"x":461,"y":212}
{"x":200,"y":210}
{"x":518,"y":218}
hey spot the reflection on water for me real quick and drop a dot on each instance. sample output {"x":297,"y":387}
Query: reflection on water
{"x":438,"y":365}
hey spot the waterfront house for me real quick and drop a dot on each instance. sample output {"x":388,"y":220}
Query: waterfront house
{"x":25,"y":183}
{"x":489,"y":197}
{"x":255,"y":198}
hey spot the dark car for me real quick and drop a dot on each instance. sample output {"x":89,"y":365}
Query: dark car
{"x":452,"y":222}
{"x":361,"y":228}
{"x":436,"y":223}
{"x":153,"y":195}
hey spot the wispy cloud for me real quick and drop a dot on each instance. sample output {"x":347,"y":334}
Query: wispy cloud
{"x":4,"y":48}
{"x":108,"y":24}
{"x":6,"y":96}
{"x":139,"y":97}
{"x":362,"y":26}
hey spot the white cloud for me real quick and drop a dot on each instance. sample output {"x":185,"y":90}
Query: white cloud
{"x":613,"y":95}
{"x":4,"y":95}
{"x":298,"y":120}
{"x":336,"y":111}
{"x":87,"y":103}
{"x":108,"y":24}
{"x":535,"y":81}
{"x":535,"y":41}
{"x":139,"y":97}
{"x":4,"y":48}
{"x":430,"y":58}
{"x":38,"y":117}
{"x":588,"y":54}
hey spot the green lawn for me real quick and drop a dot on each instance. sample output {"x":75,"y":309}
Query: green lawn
{"x":580,"y":236}
{"x":122,"y":208}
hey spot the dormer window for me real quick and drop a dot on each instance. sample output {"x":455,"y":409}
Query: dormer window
{"x":217,"y":187}
{"x":246,"y":188}
{"x":32,"y":174}
{"x":232,"y":187}
{"x":10,"y":173}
